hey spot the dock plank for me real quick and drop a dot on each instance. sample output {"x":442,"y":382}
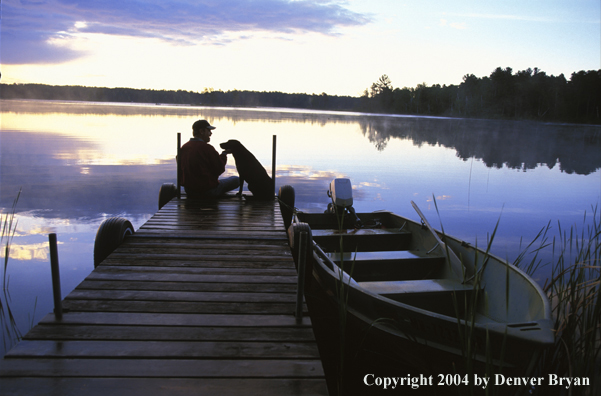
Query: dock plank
{"x":179,"y":307}
{"x":186,"y":286}
{"x":163,"y":349}
{"x":175,"y":319}
{"x":189,"y":296}
{"x":264,"y":274}
{"x":160,"y":368}
{"x":166,"y":386}
{"x":200,"y":300}
{"x":164,"y":275}
{"x":76,"y":332}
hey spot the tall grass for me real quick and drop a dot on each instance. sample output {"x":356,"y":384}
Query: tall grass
{"x":574,"y":291}
{"x":342,"y":292}
{"x":10,"y":330}
{"x":466,"y":322}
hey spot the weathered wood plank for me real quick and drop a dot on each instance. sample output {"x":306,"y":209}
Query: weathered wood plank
{"x":275,"y":235}
{"x":215,"y":217}
{"x":174,"y":333}
{"x":163,"y":386}
{"x":234,"y":238}
{"x":189,"y":262}
{"x":257,"y":219}
{"x":221,"y":204}
{"x":120,"y":264}
{"x":228,"y":226}
{"x":130,"y":306}
{"x":163,"y":350}
{"x":231,"y":224}
{"x":164,"y":276}
{"x":204,"y":250}
{"x":162,"y":319}
{"x":171,"y":243}
{"x":179,"y":296}
{"x":186,"y":286}
{"x":197,"y":257}
{"x":224,"y":237}
{"x":161,"y":368}
{"x":211,"y":218}
{"x":241,"y":228}
{"x":199,"y":300}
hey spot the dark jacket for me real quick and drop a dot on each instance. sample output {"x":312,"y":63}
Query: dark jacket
{"x":200,"y":166}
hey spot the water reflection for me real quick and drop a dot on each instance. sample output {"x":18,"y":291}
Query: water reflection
{"x":144,"y":134}
{"x":54,"y":186}
{"x":516,"y":145}
{"x":78,"y":164}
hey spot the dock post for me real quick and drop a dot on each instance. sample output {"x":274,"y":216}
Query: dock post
{"x":273,"y":151}
{"x":177,"y":158}
{"x":302,"y":259}
{"x":56,"y":279}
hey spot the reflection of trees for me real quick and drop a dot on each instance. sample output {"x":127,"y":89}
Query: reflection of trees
{"x":213,"y":114}
{"x":517,"y":145}
{"x":375,"y":135}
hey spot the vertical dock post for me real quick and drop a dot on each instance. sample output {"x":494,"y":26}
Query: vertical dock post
{"x":56,"y":279}
{"x":302,"y":258}
{"x":179,"y":185}
{"x":273,"y":151}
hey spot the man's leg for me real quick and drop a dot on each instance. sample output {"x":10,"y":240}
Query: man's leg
{"x":226,"y":184}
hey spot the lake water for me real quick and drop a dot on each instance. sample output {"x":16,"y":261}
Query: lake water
{"x":77,"y":164}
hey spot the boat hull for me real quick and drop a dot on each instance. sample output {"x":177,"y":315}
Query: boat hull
{"x":501,"y":325}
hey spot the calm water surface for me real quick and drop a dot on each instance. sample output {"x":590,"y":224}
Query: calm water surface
{"x":77,"y":164}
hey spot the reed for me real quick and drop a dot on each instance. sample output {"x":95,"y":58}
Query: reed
{"x":574,"y":291}
{"x":8,"y":324}
{"x":466,"y":322}
{"x":9,"y":226}
{"x":342,"y":291}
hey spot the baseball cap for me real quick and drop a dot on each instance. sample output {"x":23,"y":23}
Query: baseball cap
{"x":202,"y":124}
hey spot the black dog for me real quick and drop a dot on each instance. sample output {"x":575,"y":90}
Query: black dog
{"x":250,"y":170}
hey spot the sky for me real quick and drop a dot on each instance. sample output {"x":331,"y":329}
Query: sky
{"x":294,"y":46}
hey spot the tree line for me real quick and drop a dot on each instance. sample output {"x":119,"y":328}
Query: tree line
{"x":208,"y":97}
{"x":528,"y":94}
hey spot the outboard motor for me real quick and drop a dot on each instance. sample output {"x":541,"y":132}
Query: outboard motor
{"x":341,"y":193}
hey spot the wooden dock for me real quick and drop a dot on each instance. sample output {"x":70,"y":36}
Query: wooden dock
{"x":199,"y":301}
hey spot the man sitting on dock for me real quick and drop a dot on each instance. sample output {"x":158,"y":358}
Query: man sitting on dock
{"x":201,"y":165}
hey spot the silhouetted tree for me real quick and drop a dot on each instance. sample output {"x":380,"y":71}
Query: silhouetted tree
{"x":527,"y":94}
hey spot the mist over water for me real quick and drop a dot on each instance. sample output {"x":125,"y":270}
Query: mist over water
{"x":77,"y":164}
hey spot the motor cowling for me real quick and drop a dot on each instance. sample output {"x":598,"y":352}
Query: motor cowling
{"x":341,"y":193}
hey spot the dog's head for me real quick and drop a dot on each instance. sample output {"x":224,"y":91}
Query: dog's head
{"x":231,"y":145}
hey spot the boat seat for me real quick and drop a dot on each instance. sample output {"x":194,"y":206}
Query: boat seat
{"x":390,"y":265}
{"x":363,"y":240}
{"x":443,"y":296}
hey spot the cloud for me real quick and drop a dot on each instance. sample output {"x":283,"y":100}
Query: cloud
{"x":458,"y":25}
{"x":454,"y":25}
{"x":30,"y":28}
{"x":507,"y":17}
